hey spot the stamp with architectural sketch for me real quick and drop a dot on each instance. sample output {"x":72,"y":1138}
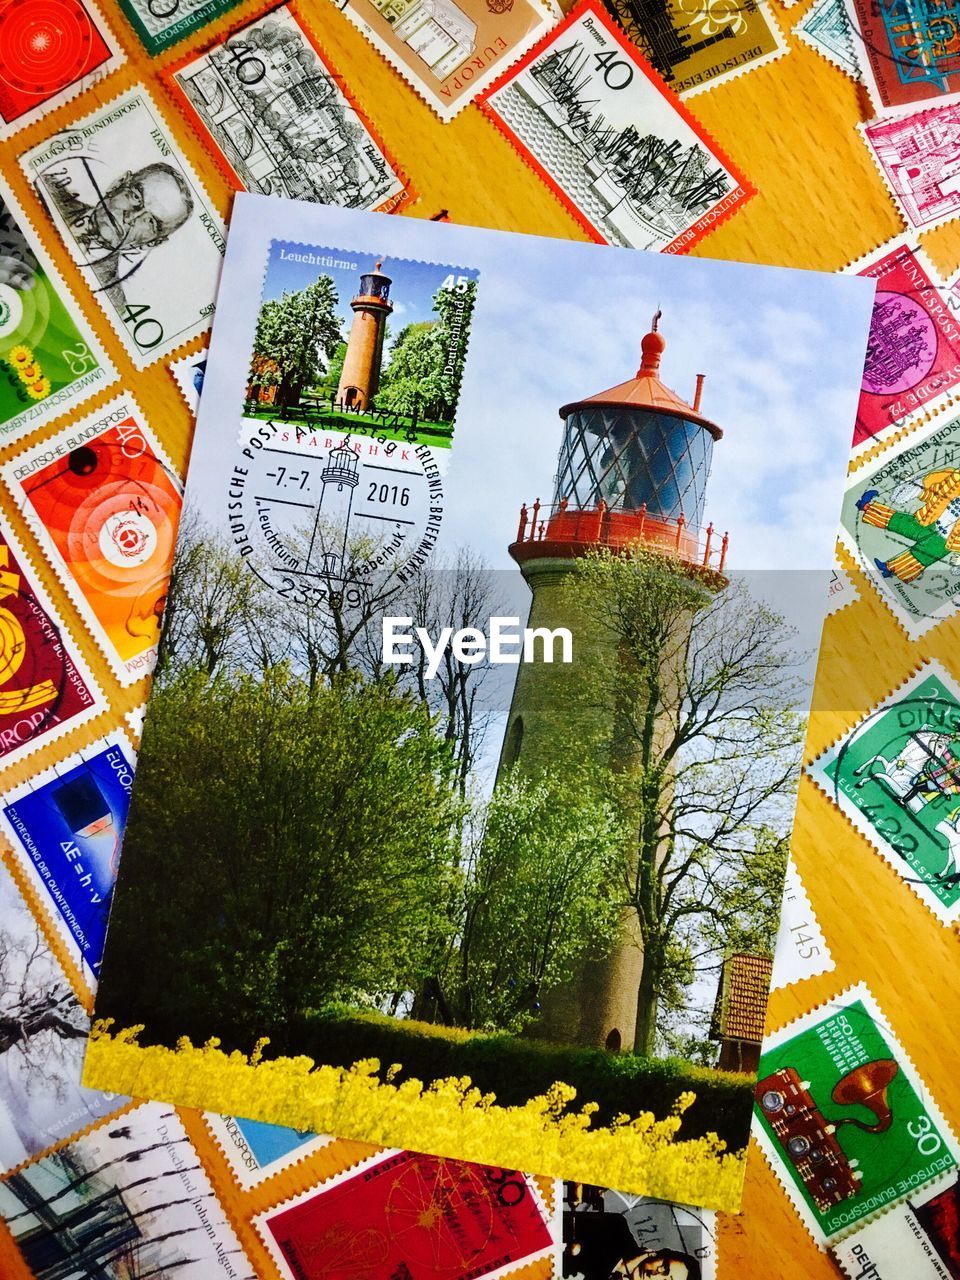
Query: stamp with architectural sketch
{"x":591,"y":116}
{"x":130,"y":211}
{"x":48,"y":54}
{"x":697,"y":46}
{"x":916,"y":154}
{"x":912,"y":362}
{"x":410,"y":1214}
{"x":843,"y":1118}
{"x":450,"y":50}
{"x":918,"y":1239}
{"x":65,"y":826}
{"x":909,"y":51}
{"x":50,"y":360}
{"x":279,"y":120}
{"x":161,"y":23}
{"x":255,"y":1150}
{"x":103,"y":500}
{"x":900,"y":521}
{"x":896,"y":776}
{"x":826,"y":28}
{"x":46,"y":688}
{"x":802,"y":950}
{"x":611,"y":1233}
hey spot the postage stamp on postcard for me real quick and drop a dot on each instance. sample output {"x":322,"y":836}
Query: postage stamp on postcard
{"x":896,"y":776}
{"x":131,"y":211}
{"x":49,"y":53}
{"x":593,"y":119}
{"x":404,"y":1214}
{"x":188,"y":374}
{"x":50,"y":360}
{"x":901,"y":522}
{"x":917,"y":156}
{"x":909,"y":50}
{"x":46,"y":688}
{"x":918,"y":1239}
{"x":802,"y":950}
{"x":700,"y":45}
{"x":133,"y":1187}
{"x":826,"y":28}
{"x":103,"y":500}
{"x":913,"y":352}
{"x":346,"y":480}
{"x":41,"y":1097}
{"x":280,"y":121}
{"x":161,"y":23}
{"x":450,"y":52}
{"x":612,"y":1233}
{"x":65,"y":826}
{"x":830,"y":1069}
{"x":255,"y":1150}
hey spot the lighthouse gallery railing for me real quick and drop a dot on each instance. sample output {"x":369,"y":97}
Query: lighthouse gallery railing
{"x":611,"y":527}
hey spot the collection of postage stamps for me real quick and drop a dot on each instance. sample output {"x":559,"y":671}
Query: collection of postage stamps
{"x":842,"y":1114}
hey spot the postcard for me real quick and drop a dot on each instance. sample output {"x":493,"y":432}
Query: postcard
{"x":437,"y":840}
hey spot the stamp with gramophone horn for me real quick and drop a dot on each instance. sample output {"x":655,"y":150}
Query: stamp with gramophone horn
{"x":843,"y":1118}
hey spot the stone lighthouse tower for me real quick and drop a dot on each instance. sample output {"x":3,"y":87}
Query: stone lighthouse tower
{"x":361,"y":365}
{"x":633,"y":469}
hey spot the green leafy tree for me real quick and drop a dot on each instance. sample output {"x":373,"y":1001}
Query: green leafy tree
{"x":539,"y":893}
{"x":289,"y":846}
{"x":330,"y":383}
{"x":295,"y":336}
{"x":700,"y":686}
{"x":426,"y":362}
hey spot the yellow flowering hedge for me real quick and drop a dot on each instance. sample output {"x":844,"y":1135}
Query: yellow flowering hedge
{"x":447,"y":1117}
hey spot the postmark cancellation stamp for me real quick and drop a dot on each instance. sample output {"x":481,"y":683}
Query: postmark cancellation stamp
{"x":130,"y":211}
{"x":896,"y":776}
{"x":820,"y":1078}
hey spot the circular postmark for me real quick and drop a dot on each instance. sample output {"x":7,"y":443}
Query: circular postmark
{"x":316,"y":511}
{"x":902,"y":345}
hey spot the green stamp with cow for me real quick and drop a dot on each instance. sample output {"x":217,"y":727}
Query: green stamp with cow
{"x":896,"y":776}
{"x":843,"y":1117}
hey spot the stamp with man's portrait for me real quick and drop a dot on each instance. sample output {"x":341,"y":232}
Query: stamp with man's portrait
{"x":131,"y":212}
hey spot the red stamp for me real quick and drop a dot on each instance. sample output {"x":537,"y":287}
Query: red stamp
{"x":919,"y":158}
{"x":49,"y":51}
{"x":402,"y":1215}
{"x":913,"y":351}
{"x":909,"y":50}
{"x":45,"y":689}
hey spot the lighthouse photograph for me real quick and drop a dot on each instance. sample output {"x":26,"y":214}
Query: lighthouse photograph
{"x":465,"y":794}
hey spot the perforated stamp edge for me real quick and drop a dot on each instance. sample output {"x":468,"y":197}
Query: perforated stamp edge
{"x":124,"y":400}
{"x":857,"y":991}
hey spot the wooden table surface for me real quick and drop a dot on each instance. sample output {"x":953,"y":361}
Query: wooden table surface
{"x":791,"y":127}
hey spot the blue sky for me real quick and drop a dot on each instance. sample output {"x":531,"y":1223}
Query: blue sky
{"x":411,"y":293}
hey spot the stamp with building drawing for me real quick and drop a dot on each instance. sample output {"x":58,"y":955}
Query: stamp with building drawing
{"x":901,"y":524}
{"x":916,"y":156}
{"x":844,"y":1119}
{"x":280,"y":121}
{"x":129,"y":208}
{"x":422,"y":828}
{"x":896,"y":776}
{"x":913,"y":354}
{"x":450,"y":50}
{"x":696,"y":47}
{"x":826,"y":28}
{"x":591,"y":116}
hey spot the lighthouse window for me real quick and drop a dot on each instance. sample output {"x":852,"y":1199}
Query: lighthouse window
{"x":630,"y":459}
{"x":514,"y":742}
